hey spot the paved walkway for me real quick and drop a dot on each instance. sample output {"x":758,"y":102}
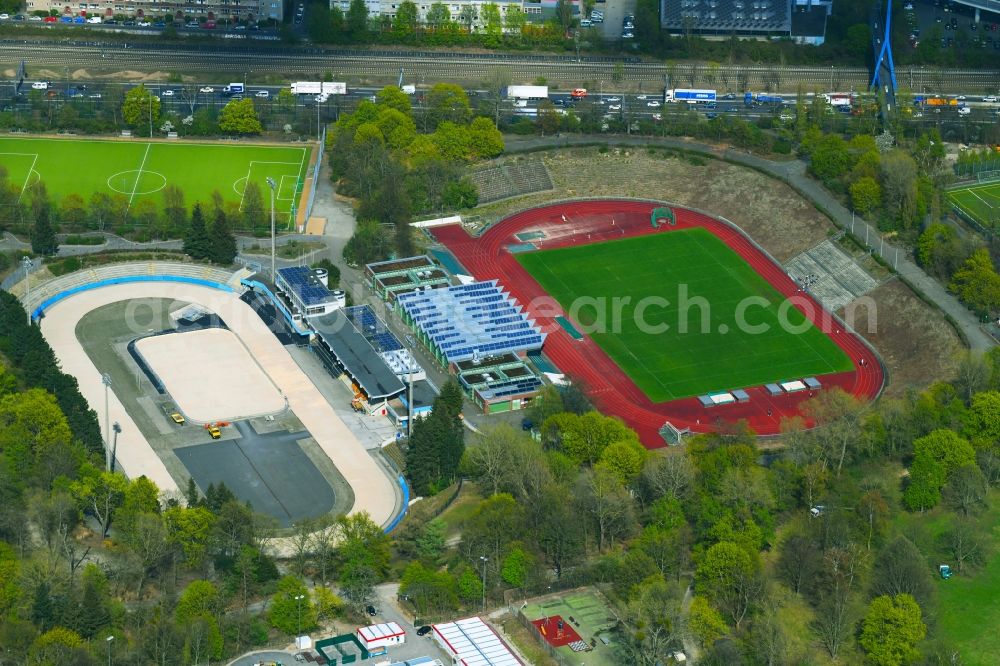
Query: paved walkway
{"x":793,"y":172}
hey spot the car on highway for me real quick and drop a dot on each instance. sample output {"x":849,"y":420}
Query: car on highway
{"x":40,"y":85}
{"x":4,"y":17}
{"x":614,"y":107}
{"x":206,"y":89}
{"x":167,"y":93}
{"x":961,"y":98}
{"x":424,"y":630}
{"x":654,"y":104}
{"x":990,"y":98}
{"x":95,"y":95}
{"x":642,"y":96}
{"x":711,"y":115}
{"x":262,"y":94}
{"x":657,"y":116}
{"x":729,"y":96}
{"x":614,"y":99}
{"x":964,"y":111}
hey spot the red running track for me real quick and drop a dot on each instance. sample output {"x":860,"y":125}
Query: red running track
{"x":612,"y":391}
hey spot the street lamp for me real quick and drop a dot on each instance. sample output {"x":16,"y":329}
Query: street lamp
{"x":271,"y":184}
{"x":298,"y":603}
{"x":116,"y":428}
{"x":106,"y":380}
{"x":26,"y":262}
{"x":484,"y":560}
{"x":109,"y":640}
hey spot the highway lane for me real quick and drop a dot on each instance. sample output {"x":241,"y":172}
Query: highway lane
{"x":426,"y":67}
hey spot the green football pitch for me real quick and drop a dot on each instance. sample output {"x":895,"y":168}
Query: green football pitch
{"x":660,"y":280}
{"x":137,"y":169}
{"x":980,"y":202}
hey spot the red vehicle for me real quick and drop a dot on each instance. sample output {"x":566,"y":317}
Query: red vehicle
{"x":578,"y":93}
{"x":208,"y":25}
{"x":50,"y":19}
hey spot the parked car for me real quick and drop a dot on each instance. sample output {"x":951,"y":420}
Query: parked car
{"x":4,"y":17}
{"x":424,"y":630}
{"x":371,"y":610}
{"x":94,"y":19}
{"x":143,"y":24}
{"x":50,"y":19}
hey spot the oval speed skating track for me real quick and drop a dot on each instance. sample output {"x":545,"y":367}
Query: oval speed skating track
{"x":486,"y":257}
{"x":374,"y":492}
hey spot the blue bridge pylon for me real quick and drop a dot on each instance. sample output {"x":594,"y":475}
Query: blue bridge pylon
{"x":884,"y":58}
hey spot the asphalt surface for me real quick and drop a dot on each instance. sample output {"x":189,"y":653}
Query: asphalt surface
{"x":271,"y":471}
{"x":286,"y":658}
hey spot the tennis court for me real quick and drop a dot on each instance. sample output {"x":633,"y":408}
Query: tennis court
{"x":583,"y":612}
{"x":980,"y":202}
{"x":137,"y":169}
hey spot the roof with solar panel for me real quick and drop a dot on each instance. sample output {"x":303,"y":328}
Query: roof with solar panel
{"x":471,"y":321}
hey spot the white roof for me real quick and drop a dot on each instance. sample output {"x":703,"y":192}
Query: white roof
{"x":376,"y":632}
{"x":474,"y":643}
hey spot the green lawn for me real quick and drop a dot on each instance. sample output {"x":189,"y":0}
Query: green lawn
{"x":703,"y":349}
{"x":981,"y":202}
{"x":138,"y":169}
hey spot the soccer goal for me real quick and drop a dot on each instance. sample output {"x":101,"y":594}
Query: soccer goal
{"x":988,"y":176}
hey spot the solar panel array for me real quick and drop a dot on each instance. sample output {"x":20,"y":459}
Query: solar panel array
{"x":373,"y":328}
{"x":474,"y":643}
{"x":300,"y":280}
{"x":471,"y":320}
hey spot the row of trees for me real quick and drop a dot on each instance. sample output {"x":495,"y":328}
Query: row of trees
{"x":141,"y":110}
{"x":395,"y":170}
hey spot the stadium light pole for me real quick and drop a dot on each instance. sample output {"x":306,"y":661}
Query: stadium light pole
{"x":109,"y":640}
{"x":106,"y":380}
{"x":484,"y":560}
{"x":26,"y":262}
{"x":271,"y":184}
{"x":298,"y":603}
{"x":116,"y":428}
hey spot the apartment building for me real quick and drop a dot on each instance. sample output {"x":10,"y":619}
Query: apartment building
{"x":236,"y":10}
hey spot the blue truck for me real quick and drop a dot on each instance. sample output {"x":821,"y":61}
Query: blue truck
{"x":760,"y":98}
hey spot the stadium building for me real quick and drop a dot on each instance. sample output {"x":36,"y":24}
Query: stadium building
{"x":802,"y":20}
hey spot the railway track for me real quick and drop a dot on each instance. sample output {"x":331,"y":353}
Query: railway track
{"x":470,"y":68}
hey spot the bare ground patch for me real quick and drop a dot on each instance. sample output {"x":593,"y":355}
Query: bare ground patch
{"x":917,"y":344}
{"x":767,"y":209}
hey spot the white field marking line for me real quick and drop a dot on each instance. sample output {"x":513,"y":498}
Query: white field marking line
{"x":30,"y":170}
{"x":139,"y":175}
{"x":281,"y":187}
{"x":250,"y":169}
{"x":981,"y":199}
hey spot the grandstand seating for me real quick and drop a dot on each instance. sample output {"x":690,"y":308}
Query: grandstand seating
{"x":40,"y":292}
{"x":511,"y":180}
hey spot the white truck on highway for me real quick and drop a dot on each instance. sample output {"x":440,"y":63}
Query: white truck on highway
{"x":318,"y":88}
{"x":235,"y":88}
{"x":526,"y":92}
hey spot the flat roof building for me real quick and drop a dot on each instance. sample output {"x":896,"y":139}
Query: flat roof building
{"x":376,"y":636}
{"x":345,"y":350}
{"x":498,"y":383}
{"x":472,"y":642}
{"x":305,"y":290}
{"x":399,"y":276}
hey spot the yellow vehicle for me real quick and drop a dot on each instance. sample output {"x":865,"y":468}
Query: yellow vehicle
{"x":177,"y":418}
{"x":214,"y":431}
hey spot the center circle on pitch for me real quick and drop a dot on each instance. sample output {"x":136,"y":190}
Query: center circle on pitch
{"x":137,"y":181}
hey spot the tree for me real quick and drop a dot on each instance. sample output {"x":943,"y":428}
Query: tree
{"x":447,"y":102}
{"x":514,"y":20}
{"x":254,"y":212}
{"x":625,"y":459}
{"x":902,"y":569}
{"x":72,"y":211}
{"x":705,"y":623}
{"x":240,"y":117}
{"x":196,"y":243}
{"x":976,"y":282}
{"x":222,"y":241}
{"x":43,"y":236}
{"x":608,"y":504}
{"x":516,"y":567}
{"x":438,"y":15}
{"x":485,"y":138}
{"x":830,"y":158}
{"x":727,"y":575}
{"x":972,"y":376}
{"x":141,"y":107}
{"x":391,"y":97}
{"x":965,"y":542}
{"x":564,"y":14}
{"x":936,"y":456}
{"x":292,"y":610}
{"x":866,"y":194}
{"x":189,"y":529}
{"x":405,"y":22}
{"x":966,"y":490}
{"x":467,"y":16}
{"x":898,"y":177}
{"x":357,"y":19}
{"x":548,"y":118}
{"x":493,"y":23}
{"x":891,"y":630}
{"x":100,"y":493}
